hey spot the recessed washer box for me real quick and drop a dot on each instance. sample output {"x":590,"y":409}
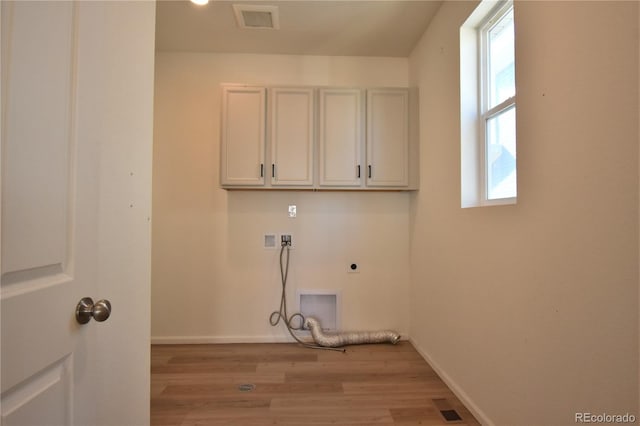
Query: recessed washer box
{"x":323,"y":305}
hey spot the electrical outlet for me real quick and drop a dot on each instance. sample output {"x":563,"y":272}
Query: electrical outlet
{"x":292,"y":211}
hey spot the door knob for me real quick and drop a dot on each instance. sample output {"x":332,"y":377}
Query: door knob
{"x":86,"y":309}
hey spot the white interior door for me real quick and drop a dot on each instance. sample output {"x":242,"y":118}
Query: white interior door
{"x":77,"y":117}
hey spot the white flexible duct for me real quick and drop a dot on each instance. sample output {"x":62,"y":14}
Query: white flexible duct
{"x":335,"y":340}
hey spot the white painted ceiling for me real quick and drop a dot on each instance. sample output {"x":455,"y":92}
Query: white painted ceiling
{"x":307,"y":27}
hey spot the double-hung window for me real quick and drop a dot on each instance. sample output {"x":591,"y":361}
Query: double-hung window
{"x":488,"y":105}
{"x":498,"y":105}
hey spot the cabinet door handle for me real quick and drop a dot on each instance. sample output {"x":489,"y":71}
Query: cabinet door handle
{"x":369,"y":171}
{"x":273,"y":170}
{"x":358,"y":171}
{"x":261,"y":170}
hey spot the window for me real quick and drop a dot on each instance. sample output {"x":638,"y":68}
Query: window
{"x":488,"y":106}
{"x":498,"y":95}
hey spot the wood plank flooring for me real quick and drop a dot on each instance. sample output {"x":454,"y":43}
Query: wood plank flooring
{"x":198,"y":385}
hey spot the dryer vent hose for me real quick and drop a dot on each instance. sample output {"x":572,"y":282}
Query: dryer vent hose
{"x":336,"y":340}
{"x":327,"y":341}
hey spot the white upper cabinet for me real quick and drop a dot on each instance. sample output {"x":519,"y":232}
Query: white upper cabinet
{"x":291,"y":136}
{"x":365,"y":138}
{"x":342,"y":141}
{"x":242,"y":161}
{"x":340,"y":137}
{"x":388,"y":137}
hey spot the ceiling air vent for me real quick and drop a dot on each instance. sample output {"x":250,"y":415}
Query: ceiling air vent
{"x":259,"y":17}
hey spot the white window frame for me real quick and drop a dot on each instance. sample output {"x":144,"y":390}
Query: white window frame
{"x":474,"y":101}
{"x":487,"y":113}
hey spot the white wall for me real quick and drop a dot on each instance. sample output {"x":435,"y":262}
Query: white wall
{"x":212,"y":280}
{"x":530,"y":311}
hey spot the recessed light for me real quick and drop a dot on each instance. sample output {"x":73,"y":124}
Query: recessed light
{"x":200,"y":2}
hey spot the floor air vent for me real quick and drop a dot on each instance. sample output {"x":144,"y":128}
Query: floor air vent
{"x":446,"y":411}
{"x":450,"y":415}
{"x":246,"y":387}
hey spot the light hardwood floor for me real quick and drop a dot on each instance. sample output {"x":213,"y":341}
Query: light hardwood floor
{"x":368,"y":385}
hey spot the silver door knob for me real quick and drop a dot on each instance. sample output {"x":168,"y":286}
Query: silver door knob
{"x":86,"y":309}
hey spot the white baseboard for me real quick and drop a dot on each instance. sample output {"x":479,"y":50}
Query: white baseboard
{"x":199,"y":340}
{"x":455,"y":388}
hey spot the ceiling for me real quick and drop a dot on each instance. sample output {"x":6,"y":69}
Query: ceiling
{"x":307,"y":27}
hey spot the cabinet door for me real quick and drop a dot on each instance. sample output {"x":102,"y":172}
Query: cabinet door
{"x":243,"y":136}
{"x":340,"y":137}
{"x":291,"y":122}
{"x":388,"y":137}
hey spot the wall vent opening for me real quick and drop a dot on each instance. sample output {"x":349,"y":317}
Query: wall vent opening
{"x":270,"y":241}
{"x":257,"y":17}
{"x":324,"y":305}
